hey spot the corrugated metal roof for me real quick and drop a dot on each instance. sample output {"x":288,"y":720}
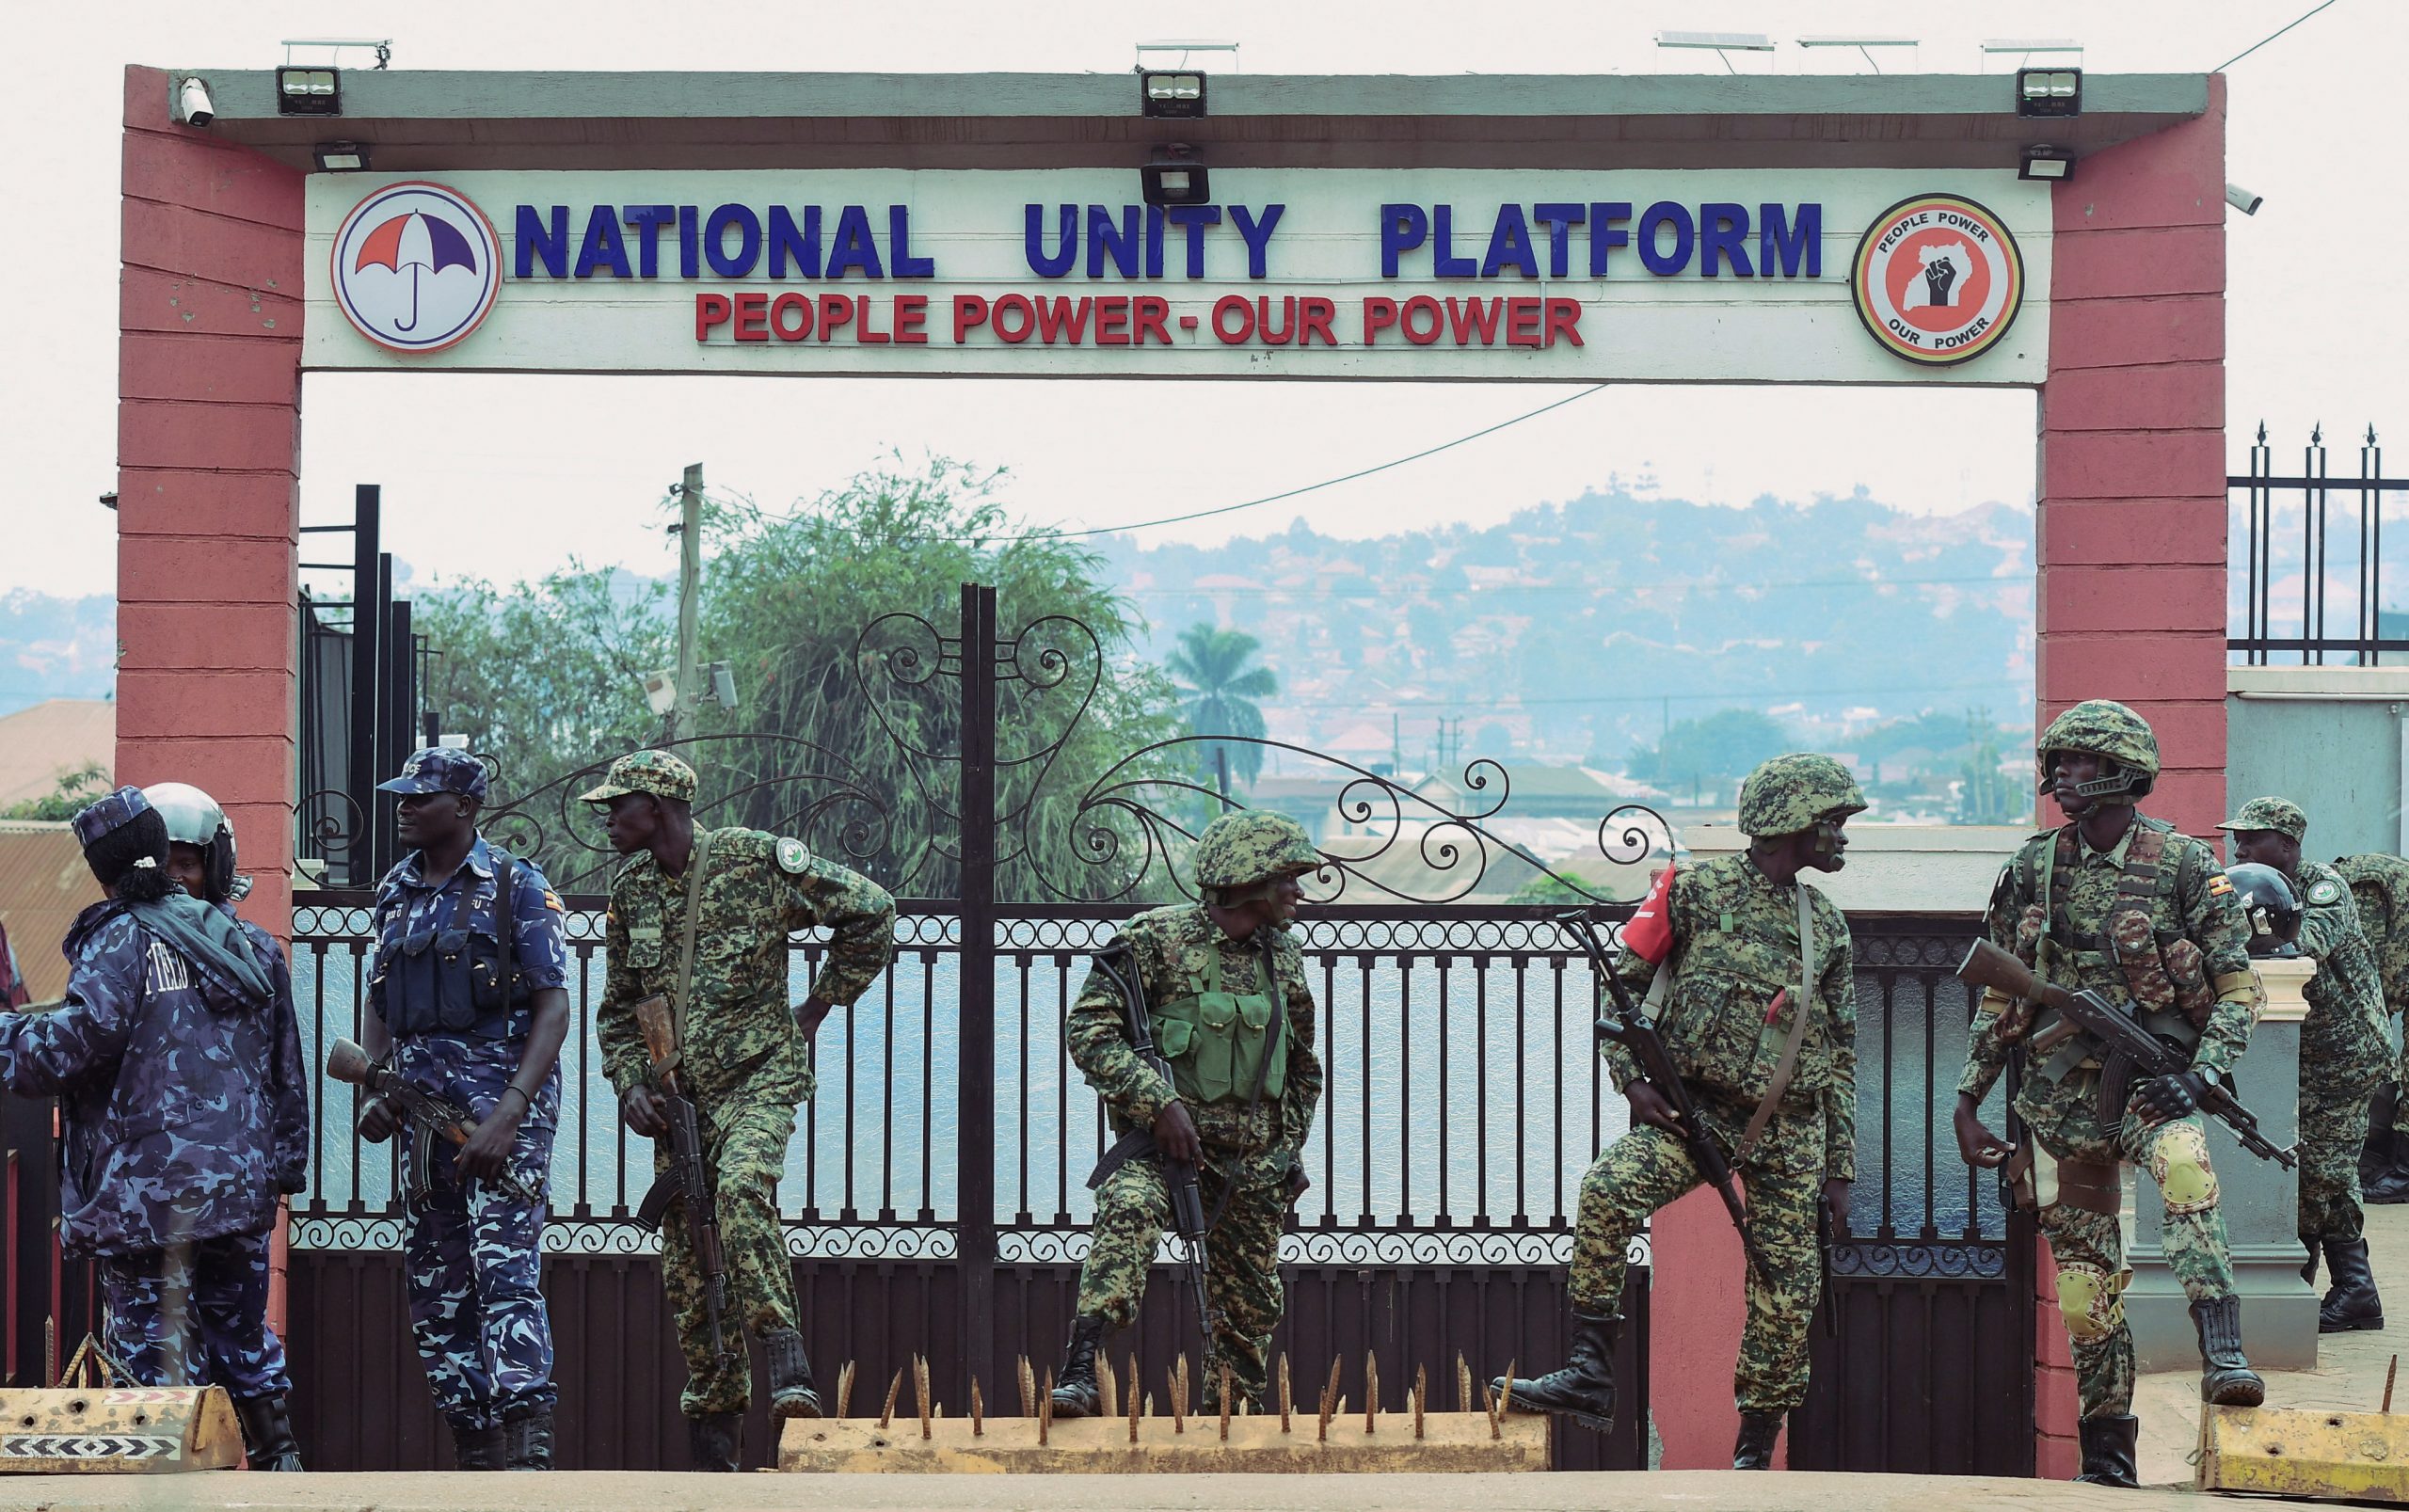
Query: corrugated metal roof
{"x":56,"y":736}
{"x":43,"y":885}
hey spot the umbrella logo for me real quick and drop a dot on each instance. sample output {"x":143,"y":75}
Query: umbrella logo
{"x":416,"y":266}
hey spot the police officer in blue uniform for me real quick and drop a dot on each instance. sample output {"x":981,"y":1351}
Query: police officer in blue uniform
{"x":177,"y":1061}
{"x":474,"y":1012}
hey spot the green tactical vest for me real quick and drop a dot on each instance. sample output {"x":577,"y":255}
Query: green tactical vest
{"x":1222,"y":1045}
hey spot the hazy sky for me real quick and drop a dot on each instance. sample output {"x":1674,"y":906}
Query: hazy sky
{"x":507,"y":476}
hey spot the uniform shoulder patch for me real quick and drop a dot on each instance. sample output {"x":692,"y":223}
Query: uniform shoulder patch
{"x":793,"y":857}
{"x":2219,"y":885}
{"x":2325,"y":891}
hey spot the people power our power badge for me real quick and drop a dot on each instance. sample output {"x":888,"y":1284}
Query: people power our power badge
{"x":416,"y":266}
{"x":1937,"y":279}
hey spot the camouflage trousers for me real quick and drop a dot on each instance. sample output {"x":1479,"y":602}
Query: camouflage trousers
{"x":745,"y":1133}
{"x":1649,"y":1168}
{"x":2334,"y":1093}
{"x":474,"y":1256}
{"x":2088,"y":1249}
{"x":195,"y":1315}
{"x":1242,"y":1259}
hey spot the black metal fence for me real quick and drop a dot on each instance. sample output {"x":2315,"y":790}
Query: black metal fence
{"x":2304,"y":597}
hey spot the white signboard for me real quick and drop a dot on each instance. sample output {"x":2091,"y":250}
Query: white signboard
{"x":1658,"y":275}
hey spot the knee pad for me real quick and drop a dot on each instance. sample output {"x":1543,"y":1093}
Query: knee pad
{"x":2178,"y":1161}
{"x":2091,"y":1300}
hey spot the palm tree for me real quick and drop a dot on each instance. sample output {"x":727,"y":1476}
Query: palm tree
{"x":1217,"y":697}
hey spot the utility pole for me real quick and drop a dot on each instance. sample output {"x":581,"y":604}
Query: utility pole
{"x":690,"y":574}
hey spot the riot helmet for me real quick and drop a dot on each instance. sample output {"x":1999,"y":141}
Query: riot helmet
{"x":195,"y":818}
{"x":2107,"y":729}
{"x":2272,"y":905}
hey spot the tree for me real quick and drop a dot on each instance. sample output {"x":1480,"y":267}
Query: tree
{"x":1725,"y":744}
{"x":1217,"y":697}
{"x":75,"y":789}
{"x":1985,"y":796}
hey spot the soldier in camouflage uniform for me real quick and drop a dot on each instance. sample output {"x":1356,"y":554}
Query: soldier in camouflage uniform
{"x":745,"y":1056}
{"x":2380,"y":888}
{"x":1232,"y":1014}
{"x":475,"y":1013}
{"x":1762,"y":1053}
{"x":2120,"y":903}
{"x":177,"y":1060}
{"x":2343,"y":1057}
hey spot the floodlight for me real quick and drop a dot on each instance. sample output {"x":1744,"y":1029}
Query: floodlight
{"x":1174,"y":176}
{"x":2045,"y":162}
{"x":1717,"y":42}
{"x":309,"y":92}
{"x":2243,"y":200}
{"x":1172,"y":96}
{"x":341,"y":157}
{"x":192,"y":104}
{"x":2049,"y":91}
{"x":1864,"y":45}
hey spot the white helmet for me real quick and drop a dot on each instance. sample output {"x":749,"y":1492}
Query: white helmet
{"x":193,"y":817}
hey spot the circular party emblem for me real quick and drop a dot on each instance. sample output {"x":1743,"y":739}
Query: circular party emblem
{"x":416,"y":266}
{"x":1937,"y":279}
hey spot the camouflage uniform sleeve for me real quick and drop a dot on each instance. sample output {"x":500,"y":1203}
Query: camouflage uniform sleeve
{"x":290,"y":1076}
{"x":44,"y":1054}
{"x":860,"y":913}
{"x":1095,"y":1032}
{"x":1985,"y":1056}
{"x":1302,"y":1094}
{"x":538,"y":929}
{"x":616,"y":1034}
{"x":2324,"y":927}
{"x":378,"y":914}
{"x":1637,"y":974}
{"x":2212,"y":917}
{"x":1838,"y":986}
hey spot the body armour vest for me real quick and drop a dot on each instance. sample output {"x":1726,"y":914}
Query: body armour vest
{"x":1224,"y":1047}
{"x":446,"y":975}
{"x":2160,"y":977}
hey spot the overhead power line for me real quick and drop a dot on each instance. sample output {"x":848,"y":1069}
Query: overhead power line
{"x":2269,"y":38}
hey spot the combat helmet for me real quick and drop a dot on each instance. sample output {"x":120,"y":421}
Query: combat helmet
{"x":195,"y":818}
{"x":1246,"y":847}
{"x":2108,"y":730}
{"x":2270,"y":903}
{"x":1790,"y":793}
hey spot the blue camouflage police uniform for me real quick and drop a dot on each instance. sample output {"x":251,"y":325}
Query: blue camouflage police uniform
{"x":474,"y":1252}
{"x":177,"y":1058}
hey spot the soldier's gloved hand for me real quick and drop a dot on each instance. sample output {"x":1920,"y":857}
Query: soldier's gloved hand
{"x":377,"y":1121}
{"x":1649,"y":1106}
{"x":2171,"y":1096}
{"x":1298,"y":1182}
{"x":1175,"y":1134}
{"x":641,"y":1111}
{"x":1976,"y":1144}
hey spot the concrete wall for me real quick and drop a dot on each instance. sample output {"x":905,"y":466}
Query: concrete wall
{"x":2329,"y":739}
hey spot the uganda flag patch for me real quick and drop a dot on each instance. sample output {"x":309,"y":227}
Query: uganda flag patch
{"x":552,"y":901}
{"x":2219,"y":885}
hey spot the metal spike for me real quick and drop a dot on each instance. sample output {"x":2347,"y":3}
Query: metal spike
{"x":1225,"y":1404}
{"x":2389,"y":1372}
{"x":1463,"y":1384}
{"x":1497,"y":1404}
{"x":1137,"y":1400}
{"x":1045,"y":1409}
{"x":2370,"y":433}
{"x":2262,"y":433}
{"x":1421,"y":1390}
{"x":920,"y":1389}
{"x":1284,"y":1402}
{"x":1371,"y":1389}
{"x":978,"y":1414}
{"x":844,"y":1387}
{"x":1107,"y":1388}
{"x":1329,"y":1404}
{"x":1027,"y":1388}
{"x":1171,"y":1395}
{"x":893,"y":1389}
{"x":2316,"y":433}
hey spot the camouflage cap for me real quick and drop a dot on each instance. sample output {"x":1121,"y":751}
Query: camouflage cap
{"x":1251,"y":845}
{"x":97,"y":819}
{"x":2105,"y":727}
{"x":439,"y":768}
{"x":657,"y":773}
{"x":2280,"y":815}
{"x":1790,"y":793}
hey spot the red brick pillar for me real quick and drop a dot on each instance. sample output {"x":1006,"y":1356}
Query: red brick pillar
{"x":209,"y":353}
{"x":2056,"y":1454}
{"x":2131,"y":603}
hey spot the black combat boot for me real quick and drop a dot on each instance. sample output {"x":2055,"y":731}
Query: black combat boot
{"x":716,"y":1441}
{"x":2226,"y":1377}
{"x":2392,"y":1183}
{"x":1076,"y":1394}
{"x":2309,"y":1267}
{"x":792,"y":1394}
{"x":527,"y":1438}
{"x":2108,"y":1451}
{"x":267,"y":1433}
{"x":2352,"y":1303}
{"x":476,"y":1447}
{"x":1584,"y":1389}
{"x":1754,"y":1448}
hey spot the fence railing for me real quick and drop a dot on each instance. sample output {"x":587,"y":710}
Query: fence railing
{"x":2302,"y":597}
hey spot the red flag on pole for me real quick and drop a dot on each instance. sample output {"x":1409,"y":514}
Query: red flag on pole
{"x":1650,"y":933}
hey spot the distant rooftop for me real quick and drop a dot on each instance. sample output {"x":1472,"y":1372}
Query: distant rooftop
{"x":56,"y":736}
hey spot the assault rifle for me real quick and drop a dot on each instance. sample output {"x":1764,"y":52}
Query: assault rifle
{"x":686,"y":1177}
{"x":1120,"y":967}
{"x":427,"y":1116}
{"x":2126,"y":1049}
{"x":1626,"y":1028}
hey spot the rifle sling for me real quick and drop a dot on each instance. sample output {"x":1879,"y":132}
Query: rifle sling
{"x":697,"y":866}
{"x":1787,"y":1065}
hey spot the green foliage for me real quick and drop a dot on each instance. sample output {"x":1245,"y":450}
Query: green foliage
{"x":75,"y":789}
{"x":1217,"y":697}
{"x":1723,"y":745}
{"x":1985,"y":794}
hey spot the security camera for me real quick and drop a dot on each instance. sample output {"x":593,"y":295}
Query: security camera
{"x":2243,"y":200}
{"x":192,"y":104}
